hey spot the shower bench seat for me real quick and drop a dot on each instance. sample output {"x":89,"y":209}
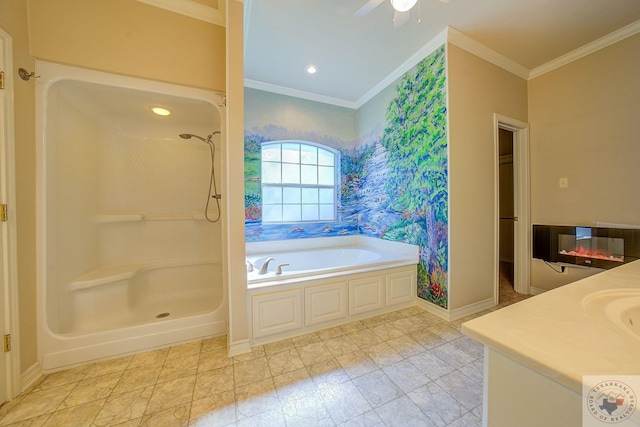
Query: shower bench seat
{"x":114,"y":273}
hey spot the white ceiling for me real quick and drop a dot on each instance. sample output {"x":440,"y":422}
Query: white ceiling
{"x":354,"y":54}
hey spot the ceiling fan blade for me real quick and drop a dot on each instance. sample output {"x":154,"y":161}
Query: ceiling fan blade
{"x":400,"y":18}
{"x":367,"y":7}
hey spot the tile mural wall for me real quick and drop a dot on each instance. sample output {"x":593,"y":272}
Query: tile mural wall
{"x":393,"y":166}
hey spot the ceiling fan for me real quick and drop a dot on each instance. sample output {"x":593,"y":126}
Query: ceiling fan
{"x":401,"y":10}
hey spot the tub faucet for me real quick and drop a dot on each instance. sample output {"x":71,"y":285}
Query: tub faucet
{"x":249,"y":266}
{"x":265,"y":266}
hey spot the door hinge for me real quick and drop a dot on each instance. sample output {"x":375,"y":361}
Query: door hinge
{"x":1,"y":79}
{"x":7,"y":342}
{"x":4,"y":216}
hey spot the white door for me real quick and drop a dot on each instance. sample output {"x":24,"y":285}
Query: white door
{"x":8,"y":276}
{"x":522,"y":226}
{"x":3,"y":225}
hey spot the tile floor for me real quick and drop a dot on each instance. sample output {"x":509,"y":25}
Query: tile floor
{"x":405,"y":368}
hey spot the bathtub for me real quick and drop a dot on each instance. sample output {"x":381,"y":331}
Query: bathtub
{"x":125,"y":259}
{"x":327,"y":282}
{"x":347,"y":256}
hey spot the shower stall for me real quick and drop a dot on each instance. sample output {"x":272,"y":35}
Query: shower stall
{"x":129,"y":260}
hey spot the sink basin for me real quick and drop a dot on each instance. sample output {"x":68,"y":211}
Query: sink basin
{"x":617,"y":308}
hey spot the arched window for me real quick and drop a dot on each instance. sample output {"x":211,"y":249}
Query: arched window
{"x":299,"y":182}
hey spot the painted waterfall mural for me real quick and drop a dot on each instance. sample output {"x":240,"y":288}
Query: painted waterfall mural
{"x":393,"y":175}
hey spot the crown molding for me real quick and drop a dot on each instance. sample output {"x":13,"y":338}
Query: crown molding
{"x":193,"y":9}
{"x":465,"y":42}
{"x":413,"y":60}
{"x":594,"y":46}
{"x":310,"y":96}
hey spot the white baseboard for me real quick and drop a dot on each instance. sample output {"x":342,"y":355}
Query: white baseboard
{"x":458,"y":313}
{"x":474,"y":308}
{"x":31,"y":377}
{"x":433,"y":309}
{"x":536,"y":291}
{"x":239,"y":347}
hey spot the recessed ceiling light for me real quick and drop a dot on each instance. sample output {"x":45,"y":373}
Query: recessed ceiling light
{"x":311,"y":69}
{"x":161,"y":111}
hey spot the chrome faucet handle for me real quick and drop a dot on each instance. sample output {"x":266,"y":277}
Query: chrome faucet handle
{"x":250,"y":267}
{"x":279,"y":270}
{"x":265,"y":266}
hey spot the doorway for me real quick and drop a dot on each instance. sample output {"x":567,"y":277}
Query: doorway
{"x":506,"y":212}
{"x":512,"y":224}
{"x":9,"y":366}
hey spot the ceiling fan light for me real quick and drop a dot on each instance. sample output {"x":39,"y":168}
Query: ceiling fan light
{"x":403,"y":5}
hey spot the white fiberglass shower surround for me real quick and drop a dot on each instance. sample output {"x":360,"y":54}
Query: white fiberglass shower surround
{"x":127,"y":260}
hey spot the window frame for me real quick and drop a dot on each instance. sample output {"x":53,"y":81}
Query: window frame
{"x":336,"y":179}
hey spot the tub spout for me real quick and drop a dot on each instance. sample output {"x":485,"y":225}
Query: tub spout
{"x":265,"y":266}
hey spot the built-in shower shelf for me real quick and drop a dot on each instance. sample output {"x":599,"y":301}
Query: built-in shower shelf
{"x":137,"y":216}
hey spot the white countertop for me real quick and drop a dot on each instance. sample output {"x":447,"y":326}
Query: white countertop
{"x":553,"y":334}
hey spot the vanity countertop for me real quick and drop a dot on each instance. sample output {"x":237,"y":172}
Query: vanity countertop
{"x":552,"y":333}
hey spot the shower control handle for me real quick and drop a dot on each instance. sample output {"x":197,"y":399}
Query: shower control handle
{"x":279,"y":270}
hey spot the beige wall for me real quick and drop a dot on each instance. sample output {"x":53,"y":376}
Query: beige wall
{"x":119,"y":36}
{"x":477,"y":90}
{"x":131,"y":38}
{"x":585,"y":123}
{"x":238,"y":337}
{"x":13,"y":19}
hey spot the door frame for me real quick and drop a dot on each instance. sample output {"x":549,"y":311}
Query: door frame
{"x":9,"y":276}
{"x":521,"y":190}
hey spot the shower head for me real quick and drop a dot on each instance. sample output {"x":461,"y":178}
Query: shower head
{"x":207,"y":140}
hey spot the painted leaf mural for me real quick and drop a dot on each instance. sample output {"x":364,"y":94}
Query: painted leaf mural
{"x":393,"y":186}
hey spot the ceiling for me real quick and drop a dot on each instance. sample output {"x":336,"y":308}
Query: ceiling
{"x":354,"y":54}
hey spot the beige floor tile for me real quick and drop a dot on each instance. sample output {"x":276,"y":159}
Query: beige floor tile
{"x":383,"y":354}
{"x":327,"y":373}
{"x":284,"y":361}
{"x":314,"y":353}
{"x":124,"y":407}
{"x":251,"y":371}
{"x":364,"y":338}
{"x":109,"y":367}
{"x":149,"y":358}
{"x":37,"y":403}
{"x":294,"y":385}
{"x":305,"y":339}
{"x":213,"y":360}
{"x":255,"y":353}
{"x":179,"y":367}
{"x":142,"y":377}
{"x":278,"y":346}
{"x":327,"y":334}
{"x":406,"y":346}
{"x":92,"y":389}
{"x":406,"y":325}
{"x":215,"y":409}
{"x":173,"y":416}
{"x":356,"y":364}
{"x":386,"y":331}
{"x":353,"y":327}
{"x":81,"y":415}
{"x":255,"y":398}
{"x":340,"y":345}
{"x":214,"y":382}
{"x":183,"y":350}
{"x":212,"y":344}
{"x":400,"y":367}
{"x":171,"y":394}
